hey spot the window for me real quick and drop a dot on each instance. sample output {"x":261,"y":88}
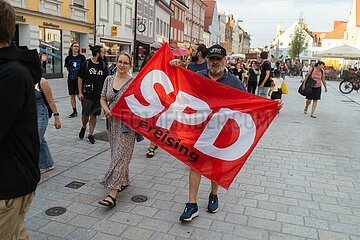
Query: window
{"x":179,"y":35}
{"x":117,"y":12}
{"x":150,"y":28}
{"x":104,"y":10}
{"x":151,"y":12}
{"x":176,"y":13}
{"x":128,"y":16}
{"x":175,"y":35}
{"x":161,"y":27}
{"x":281,"y":44}
{"x":152,"y":2}
{"x":171,"y":33}
{"x":182,"y":36}
{"x":79,"y":3}
{"x":157,"y":26}
{"x":165,"y":29}
{"x":145,"y":9}
{"x":139,"y":9}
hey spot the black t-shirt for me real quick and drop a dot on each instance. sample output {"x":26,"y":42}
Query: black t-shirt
{"x":197,"y":67}
{"x":237,"y":73}
{"x":93,"y":77}
{"x":73,"y":65}
{"x":252,"y":75}
{"x":266,"y":66}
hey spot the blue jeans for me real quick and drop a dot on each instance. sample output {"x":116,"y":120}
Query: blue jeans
{"x":45,"y":158}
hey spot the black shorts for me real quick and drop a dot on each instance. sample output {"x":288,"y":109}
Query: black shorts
{"x":91,"y":107}
{"x":73,"y":87}
{"x":315,"y":94}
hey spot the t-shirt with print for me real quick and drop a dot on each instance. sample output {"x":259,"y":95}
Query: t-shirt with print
{"x":93,"y":77}
{"x":73,"y":63}
{"x":266,"y":66}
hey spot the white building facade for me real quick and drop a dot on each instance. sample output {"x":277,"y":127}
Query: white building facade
{"x":352,"y":33}
{"x":163,"y":14}
{"x":114,"y":26}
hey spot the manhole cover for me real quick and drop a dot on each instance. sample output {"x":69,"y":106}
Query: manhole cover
{"x":75,"y":185}
{"x":139,"y":198}
{"x":55,"y":211}
{"x":102,"y":136}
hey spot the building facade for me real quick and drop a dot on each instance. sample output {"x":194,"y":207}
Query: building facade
{"x":194,"y":22}
{"x":145,"y":27}
{"x":50,"y":26}
{"x":212,"y":24}
{"x":163,"y":14}
{"x":281,"y":44}
{"x":179,"y":9}
{"x":352,"y":33}
{"x":114,"y":26}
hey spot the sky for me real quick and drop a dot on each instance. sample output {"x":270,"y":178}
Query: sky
{"x":260,"y":17}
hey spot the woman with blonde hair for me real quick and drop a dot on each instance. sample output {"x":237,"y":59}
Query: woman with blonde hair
{"x":121,"y":138}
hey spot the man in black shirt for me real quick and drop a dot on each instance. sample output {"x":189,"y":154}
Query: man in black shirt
{"x":264,"y":81}
{"x":19,"y":139}
{"x":72,"y":63}
{"x":198,"y":61}
{"x":91,"y":78}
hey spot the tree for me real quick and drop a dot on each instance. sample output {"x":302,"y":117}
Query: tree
{"x":298,"y":42}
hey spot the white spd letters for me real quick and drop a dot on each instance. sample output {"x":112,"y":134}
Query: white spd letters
{"x":205,"y":143}
{"x":148,"y":91}
{"x":201,"y":111}
{"x":177,"y":108}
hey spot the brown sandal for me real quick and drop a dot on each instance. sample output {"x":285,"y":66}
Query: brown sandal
{"x":107,"y":203}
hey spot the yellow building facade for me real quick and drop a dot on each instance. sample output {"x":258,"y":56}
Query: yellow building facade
{"x":51,"y":26}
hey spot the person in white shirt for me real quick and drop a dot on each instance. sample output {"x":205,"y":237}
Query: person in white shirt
{"x":275,"y":89}
{"x":305,"y":70}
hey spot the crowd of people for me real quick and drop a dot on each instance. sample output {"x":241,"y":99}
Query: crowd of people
{"x":26,"y":154}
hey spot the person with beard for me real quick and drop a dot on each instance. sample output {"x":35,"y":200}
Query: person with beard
{"x":91,"y":75}
{"x":215,"y":72}
{"x":198,"y":56}
{"x":20,"y":70}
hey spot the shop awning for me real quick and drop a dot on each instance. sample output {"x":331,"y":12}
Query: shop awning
{"x":111,"y":40}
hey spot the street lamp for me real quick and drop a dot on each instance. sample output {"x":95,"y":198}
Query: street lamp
{"x":135,"y":63}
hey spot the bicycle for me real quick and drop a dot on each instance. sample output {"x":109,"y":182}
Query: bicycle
{"x":348,"y":85}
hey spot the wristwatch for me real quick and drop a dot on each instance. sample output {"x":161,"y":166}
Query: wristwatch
{"x":56,"y":114}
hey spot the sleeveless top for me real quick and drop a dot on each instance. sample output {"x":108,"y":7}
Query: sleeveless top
{"x":38,"y":96}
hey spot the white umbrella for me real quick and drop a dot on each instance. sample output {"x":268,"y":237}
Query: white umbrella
{"x":344,"y":51}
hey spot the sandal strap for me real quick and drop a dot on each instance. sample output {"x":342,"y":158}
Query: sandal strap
{"x":151,"y":149}
{"x":107,"y":201}
{"x":113,"y":199}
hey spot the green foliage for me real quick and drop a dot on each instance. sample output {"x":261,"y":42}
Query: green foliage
{"x":298,"y":42}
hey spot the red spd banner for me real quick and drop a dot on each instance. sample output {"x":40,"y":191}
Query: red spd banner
{"x":209,"y":126}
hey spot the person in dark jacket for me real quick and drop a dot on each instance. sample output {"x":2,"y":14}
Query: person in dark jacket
{"x":19,"y":139}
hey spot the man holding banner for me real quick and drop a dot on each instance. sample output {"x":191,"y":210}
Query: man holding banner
{"x":216,"y":71}
{"x":210,"y":126}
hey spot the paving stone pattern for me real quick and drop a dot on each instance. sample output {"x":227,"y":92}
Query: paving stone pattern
{"x":301,"y":182}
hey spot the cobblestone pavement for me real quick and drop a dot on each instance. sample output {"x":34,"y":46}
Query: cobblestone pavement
{"x":301,"y":182}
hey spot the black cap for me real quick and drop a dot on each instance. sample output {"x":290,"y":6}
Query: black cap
{"x":216,"y":51}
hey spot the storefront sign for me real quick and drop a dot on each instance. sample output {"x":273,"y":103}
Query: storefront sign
{"x":114,"y":31}
{"x":19,"y":18}
{"x":47,"y":24}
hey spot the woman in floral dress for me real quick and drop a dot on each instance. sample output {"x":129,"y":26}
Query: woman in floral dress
{"x":121,"y":138}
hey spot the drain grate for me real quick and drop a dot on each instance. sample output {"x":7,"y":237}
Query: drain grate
{"x":347,"y":100}
{"x":102,"y":136}
{"x":75,"y":185}
{"x":55,"y":211}
{"x":139,"y":198}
